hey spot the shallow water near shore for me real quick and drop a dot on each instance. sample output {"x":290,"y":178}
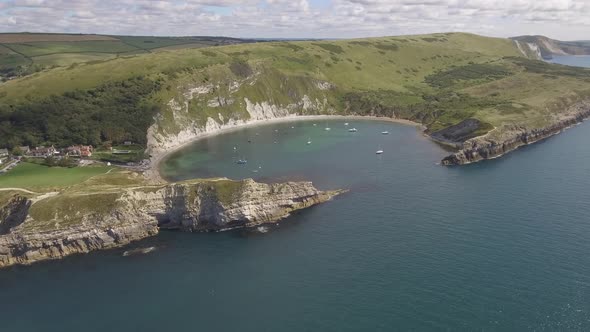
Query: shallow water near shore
{"x":498,"y":245}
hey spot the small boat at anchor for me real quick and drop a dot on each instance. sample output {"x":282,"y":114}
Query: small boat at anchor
{"x":385,"y":132}
{"x":241,"y":161}
{"x":352,"y":130}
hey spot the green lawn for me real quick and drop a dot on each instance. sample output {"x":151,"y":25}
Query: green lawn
{"x":32,"y":176}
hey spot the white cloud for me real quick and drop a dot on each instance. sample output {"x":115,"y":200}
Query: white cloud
{"x":563,"y":19}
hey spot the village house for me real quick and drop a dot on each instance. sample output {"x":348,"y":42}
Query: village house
{"x":43,"y":152}
{"x":79,"y":151}
{"x":3,"y":153}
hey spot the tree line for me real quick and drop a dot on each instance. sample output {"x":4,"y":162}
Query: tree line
{"x":115,"y":112}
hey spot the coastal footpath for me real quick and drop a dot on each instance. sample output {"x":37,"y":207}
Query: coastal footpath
{"x":100,"y":215}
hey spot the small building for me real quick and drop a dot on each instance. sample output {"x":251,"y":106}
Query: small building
{"x":86,"y":151}
{"x":127,"y":143}
{"x":79,"y":150}
{"x":43,"y":152}
{"x":3,"y":152}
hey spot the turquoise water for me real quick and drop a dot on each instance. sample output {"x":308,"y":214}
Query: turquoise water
{"x":500,"y":245}
{"x":572,"y":60}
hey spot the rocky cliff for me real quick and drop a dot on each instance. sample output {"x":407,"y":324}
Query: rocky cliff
{"x":508,"y":138}
{"x":226,"y":106}
{"x":541,"y":47}
{"x":89,"y":218}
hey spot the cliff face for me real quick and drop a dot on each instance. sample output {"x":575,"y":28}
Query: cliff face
{"x":13,"y":212}
{"x":511,"y":138}
{"x":541,"y":47}
{"x":66,"y":224}
{"x":228,"y":108}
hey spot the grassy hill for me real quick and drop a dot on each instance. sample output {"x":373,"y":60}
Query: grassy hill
{"x":25,"y":53}
{"x":439,"y":80}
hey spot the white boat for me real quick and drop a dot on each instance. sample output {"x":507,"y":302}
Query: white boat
{"x":314,"y":124}
{"x":346,"y":124}
{"x":241,"y":162}
{"x":328,"y":129}
{"x":308,"y":142}
{"x":292,"y":127}
{"x":352,"y":130}
{"x":385,"y":132}
{"x":379,"y":152}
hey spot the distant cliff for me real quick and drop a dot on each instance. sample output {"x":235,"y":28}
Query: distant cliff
{"x":541,"y":47}
{"x":81,"y":220}
{"x":509,"y":138}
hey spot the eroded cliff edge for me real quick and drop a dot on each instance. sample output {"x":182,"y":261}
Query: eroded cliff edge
{"x":97,"y":216}
{"x":510,"y":137}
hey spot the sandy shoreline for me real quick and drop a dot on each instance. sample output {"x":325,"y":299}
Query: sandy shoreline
{"x":153,"y":173}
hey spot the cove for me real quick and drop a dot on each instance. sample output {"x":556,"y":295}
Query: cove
{"x":497,"y":245}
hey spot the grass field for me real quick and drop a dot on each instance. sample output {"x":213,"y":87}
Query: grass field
{"x":150,"y":43}
{"x":35,"y":177}
{"x":45,"y":48}
{"x":62,"y":60}
{"x":25,"y":53}
{"x":49,"y":37}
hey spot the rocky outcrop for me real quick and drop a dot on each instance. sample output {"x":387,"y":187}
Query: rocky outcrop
{"x":28,"y":247}
{"x":68,"y":223}
{"x":510,"y":138}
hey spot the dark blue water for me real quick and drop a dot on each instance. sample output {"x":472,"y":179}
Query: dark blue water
{"x":500,"y":245}
{"x":572,"y":60}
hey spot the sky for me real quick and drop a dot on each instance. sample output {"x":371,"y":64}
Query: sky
{"x":559,"y":19}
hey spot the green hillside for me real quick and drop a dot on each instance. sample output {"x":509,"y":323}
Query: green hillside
{"x":439,"y":80}
{"x":25,"y":53}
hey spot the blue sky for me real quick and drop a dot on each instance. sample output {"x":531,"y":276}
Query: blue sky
{"x":562,"y":19}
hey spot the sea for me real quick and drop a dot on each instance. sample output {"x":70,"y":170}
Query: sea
{"x":572,"y":60}
{"x":501,"y":245}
